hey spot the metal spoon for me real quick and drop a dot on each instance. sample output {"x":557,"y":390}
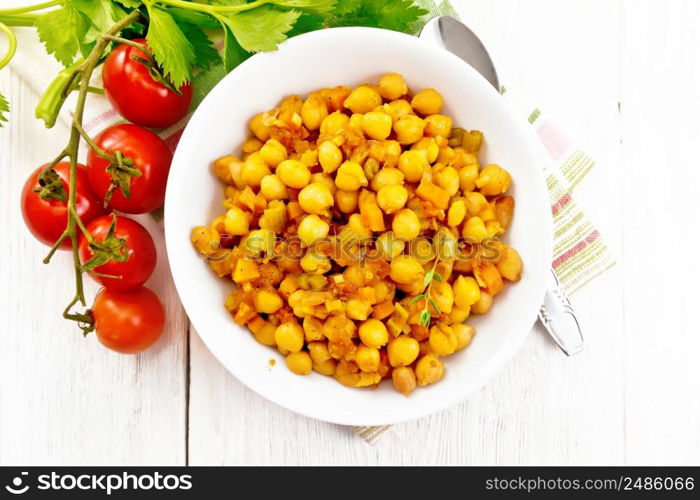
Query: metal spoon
{"x":556,"y":314}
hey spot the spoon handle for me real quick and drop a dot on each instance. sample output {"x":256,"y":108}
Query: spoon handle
{"x":559,"y":319}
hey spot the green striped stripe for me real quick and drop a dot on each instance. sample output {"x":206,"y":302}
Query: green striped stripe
{"x":574,"y":231}
{"x":534,"y":115}
{"x":576,"y":167}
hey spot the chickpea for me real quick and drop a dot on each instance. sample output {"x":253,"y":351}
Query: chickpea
{"x":413,"y":164}
{"x":363,"y":99}
{"x":456,"y":213}
{"x":387,"y":176}
{"x":313,"y":111}
{"x":254,"y":169}
{"x":356,"y":121}
{"x":466,"y":292}
{"x":406,"y":224}
{"x":443,"y":340}
{"x":389,"y":245}
{"x":334,"y":123}
{"x":347,"y":201}
{"x":267,"y":301}
{"x":358,"y":309}
{"x":358,"y":227}
{"x":475,"y":230}
{"x":258,"y":127}
{"x":313,"y":330}
{"x":316,"y":198}
{"x":273,"y":152}
{"x":237,"y":222}
{"x":438,"y":125}
{"x":510,"y":265}
{"x":377,"y":125}
{"x":289,"y":336}
{"x":326,"y":367}
{"x":429,"y":370}
{"x":251,"y":145}
{"x":312,"y":229}
{"x":406,"y":269}
{"x":459,"y":315}
{"x":392,"y":86}
{"x":404,"y":380}
{"x":222,"y":170}
{"x":409,"y":129}
{"x":403,"y":350}
{"x":299,"y":362}
{"x":448,"y":179}
{"x":467,"y":178}
{"x":441,"y":293}
{"x":329,"y":156}
{"x":318,"y":351}
{"x":398,"y":108}
{"x":427,"y":102}
{"x":493,"y":180}
{"x":266,"y":335}
{"x":373,"y":333}
{"x":476,"y":203}
{"x":367,"y":358}
{"x":392,"y":198}
{"x":350,"y":176}
{"x":205,"y":240}
{"x":315,"y":263}
{"x":272,"y":188}
{"x":464,"y":334}
{"x":293,"y":173}
{"x":484,"y":303}
{"x":427,"y":144}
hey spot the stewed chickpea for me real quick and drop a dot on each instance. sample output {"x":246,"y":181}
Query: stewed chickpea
{"x":340,"y":233}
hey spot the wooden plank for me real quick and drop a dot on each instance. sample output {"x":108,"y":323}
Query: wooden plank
{"x":64,"y":399}
{"x":660,"y":109}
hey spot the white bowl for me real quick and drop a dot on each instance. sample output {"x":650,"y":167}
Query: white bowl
{"x":351,"y":56}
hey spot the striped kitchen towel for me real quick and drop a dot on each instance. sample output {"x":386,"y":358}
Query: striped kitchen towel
{"x":579,"y":251}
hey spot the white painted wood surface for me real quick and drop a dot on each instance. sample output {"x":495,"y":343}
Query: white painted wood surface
{"x":622,"y":77}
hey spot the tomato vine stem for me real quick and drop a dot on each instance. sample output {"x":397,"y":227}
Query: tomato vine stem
{"x":82,"y":72}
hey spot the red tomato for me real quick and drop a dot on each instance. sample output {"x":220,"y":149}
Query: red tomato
{"x":47,"y":219}
{"x":150,"y":155}
{"x":128,"y":322}
{"x":136,"y":95}
{"x":139,"y":246}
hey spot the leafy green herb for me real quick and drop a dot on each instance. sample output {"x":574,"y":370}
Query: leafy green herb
{"x":397,"y":15}
{"x":201,"y":19}
{"x":102,"y":15}
{"x":428,"y":279}
{"x":204,"y":52}
{"x":233,"y":52}
{"x":417,"y":298}
{"x":62,"y":31}
{"x":130,"y":4}
{"x":319,"y":7}
{"x":4,"y":108}
{"x":424,"y":318}
{"x":170,"y":47}
{"x":261,"y":29}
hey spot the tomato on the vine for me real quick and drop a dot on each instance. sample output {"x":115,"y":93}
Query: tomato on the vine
{"x":136,"y":95}
{"x":127,"y":251}
{"x":47,"y":217}
{"x":128,"y":322}
{"x":149,"y":155}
